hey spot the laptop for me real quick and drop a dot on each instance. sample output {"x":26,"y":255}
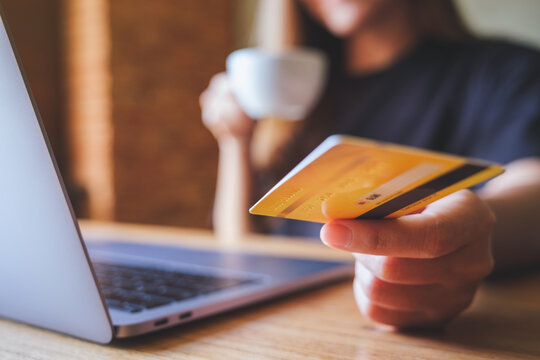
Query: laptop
{"x":51,"y":279}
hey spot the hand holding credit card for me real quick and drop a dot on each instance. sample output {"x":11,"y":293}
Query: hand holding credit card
{"x":352,"y":178}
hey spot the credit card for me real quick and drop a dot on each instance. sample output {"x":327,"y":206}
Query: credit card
{"x":353,"y":178}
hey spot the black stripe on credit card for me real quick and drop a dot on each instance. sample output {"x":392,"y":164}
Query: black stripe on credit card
{"x":423,"y":191}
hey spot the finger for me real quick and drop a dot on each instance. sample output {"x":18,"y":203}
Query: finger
{"x":222,"y":86}
{"x":220,"y":111}
{"x":217,"y":80}
{"x":433,"y":298}
{"x":203,"y":98}
{"x":233,"y":117}
{"x":211,"y":95}
{"x":210,"y":112}
{"x":442,"y":228}
{"x":397,"y":318}
{"x":468,"y":264}
{"x":415,"y":236}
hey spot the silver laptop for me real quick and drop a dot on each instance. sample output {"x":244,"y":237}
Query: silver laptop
{"x":51,"y":279}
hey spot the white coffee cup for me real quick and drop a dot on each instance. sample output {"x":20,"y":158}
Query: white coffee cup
{"x":285,"y":85}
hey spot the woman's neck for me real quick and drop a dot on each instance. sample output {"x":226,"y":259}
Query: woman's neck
{"x":376,"y":47}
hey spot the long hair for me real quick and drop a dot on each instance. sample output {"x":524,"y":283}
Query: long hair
{"x":435,"y":19}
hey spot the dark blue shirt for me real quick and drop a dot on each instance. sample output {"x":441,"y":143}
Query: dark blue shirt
{"x":479,"y":99}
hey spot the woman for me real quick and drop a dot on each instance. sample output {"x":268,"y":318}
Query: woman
{"x":409,"y":72}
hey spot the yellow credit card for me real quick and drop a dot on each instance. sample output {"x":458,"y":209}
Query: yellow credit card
{"x":352,"y":178}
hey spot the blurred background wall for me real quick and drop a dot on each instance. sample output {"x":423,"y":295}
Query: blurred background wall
{"x":518,"y":20}
{"x":117,"y":84}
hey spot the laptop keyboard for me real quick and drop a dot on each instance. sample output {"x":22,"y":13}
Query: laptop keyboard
{"x":135,"y":289}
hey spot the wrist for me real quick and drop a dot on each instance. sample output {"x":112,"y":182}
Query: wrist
{"x":233,"y":143}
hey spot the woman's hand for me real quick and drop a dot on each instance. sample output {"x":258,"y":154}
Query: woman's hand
{"x":221,"y":113}
{"x":419,"y":270}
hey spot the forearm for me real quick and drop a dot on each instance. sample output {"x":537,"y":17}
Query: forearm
{"x":514,"y":197}
{"x":231,"y":218}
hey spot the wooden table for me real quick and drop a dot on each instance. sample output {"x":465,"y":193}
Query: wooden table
{"x":503,"y":322}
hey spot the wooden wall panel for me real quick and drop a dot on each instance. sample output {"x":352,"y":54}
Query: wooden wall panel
{"x":35,"y":26}
{"x":88,"y":105}
{"x":162,"y":56}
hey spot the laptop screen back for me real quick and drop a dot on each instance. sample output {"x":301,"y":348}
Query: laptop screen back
{"x":45,"y":279}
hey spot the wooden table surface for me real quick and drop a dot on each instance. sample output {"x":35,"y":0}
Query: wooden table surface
{"x":503,"y":322}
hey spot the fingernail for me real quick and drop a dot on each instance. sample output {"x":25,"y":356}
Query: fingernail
{"x":338,"y":236}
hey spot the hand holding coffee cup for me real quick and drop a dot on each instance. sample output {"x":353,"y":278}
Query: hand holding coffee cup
{"x":261,"y":84}
{"x":221,"y":113}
